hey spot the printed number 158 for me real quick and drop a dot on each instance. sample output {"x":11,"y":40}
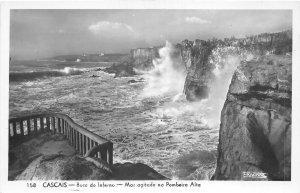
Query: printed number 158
{"x":31,"y":185}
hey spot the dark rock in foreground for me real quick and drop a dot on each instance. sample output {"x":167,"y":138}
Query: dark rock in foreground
{"x":197,"y":164}
{"x":255,"y":131}
{"x":124,"y":69}
{"x":23,"y":151}
{"x":49,"y":156}
{"x":62,"y":167}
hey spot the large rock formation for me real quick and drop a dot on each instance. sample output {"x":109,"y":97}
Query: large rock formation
{"x":198,"y":58}
{"x":143,"y":57}
{"x":185,"y":51}
{"x":23,"y":151}
{"x":140,"y":59}
{"x":199,"y":69}
{"x":255,"y":131}
{"x":62,"y":167}
{"x":124,"y":69}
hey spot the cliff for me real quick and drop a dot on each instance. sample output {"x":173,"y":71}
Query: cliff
{"x":199,"y":70}
{"x":200,"y":57}
{"x":255,"y":130}
{"x":142,"y":57}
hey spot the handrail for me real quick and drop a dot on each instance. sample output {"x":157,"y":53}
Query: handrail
{"x":84,"y":141}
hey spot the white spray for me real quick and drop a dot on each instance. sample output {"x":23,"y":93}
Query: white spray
{"x":168,"y":75}
{"x":225,"y":61}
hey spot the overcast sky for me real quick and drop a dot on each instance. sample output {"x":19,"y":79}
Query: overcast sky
{"x":45,"y":33}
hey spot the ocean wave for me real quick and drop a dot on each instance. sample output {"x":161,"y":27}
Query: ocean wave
{"x":33,"y":75}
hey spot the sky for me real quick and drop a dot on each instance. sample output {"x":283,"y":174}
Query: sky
{"x":45,"y":33}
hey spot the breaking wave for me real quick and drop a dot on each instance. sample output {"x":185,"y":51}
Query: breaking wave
{"x":28,"y":76}
{"x":208,"y":111}
{"x":168,"y":75}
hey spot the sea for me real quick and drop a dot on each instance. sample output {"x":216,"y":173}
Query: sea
{"x":161,"y":130}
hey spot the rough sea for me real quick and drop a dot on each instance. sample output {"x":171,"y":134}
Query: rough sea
{"x":163,"y":131}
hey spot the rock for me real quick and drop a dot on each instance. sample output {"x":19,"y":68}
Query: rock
{"x":196,"y":164}
{"x":198,"y":59}
{"x":62,"y":167}
{"x":23,"y":152}
{"x":255,"y":130}
{"x":48,"y":156}
{"x":134,"y":81}
{"x":199,"y":73}
{"x":143,"y":57}
{"x":124,"y":69}
{"x":185,"y":51}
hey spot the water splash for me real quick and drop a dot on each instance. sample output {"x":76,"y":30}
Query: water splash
{"x":168,"y":75}
{"x":225,"y":61}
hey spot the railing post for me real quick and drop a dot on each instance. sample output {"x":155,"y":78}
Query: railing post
{"x":35,"y":124}
{"x":91,"y":143}
{"x":58,"y":125}
{"x":48,"y":123}
{"x":87,"y":144}
{"x":21,"y":128}
{"x":80,"y":143}
{"x":76,"y":141}
{"x":42,"y":127}
{"x":97,"y":154}
{"x":84,"y":144}
{"x":68,"y":133}
{"x":15,"y":128}
{"x":66,"y":128}
{"x":72,"y":136}
{"x":53,"y":124}
{"x":69,"y":129}
{"x":103,"y":153}
{"x":110,"y":153}
{"x":10,"y":131}
{"x":28,"y":127}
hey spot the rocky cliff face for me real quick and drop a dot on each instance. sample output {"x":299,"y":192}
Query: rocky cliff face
{"x":142,"y":57}
{"x":255,"y":130}
{"x":199,"y":69}
{"x":200,"y":61}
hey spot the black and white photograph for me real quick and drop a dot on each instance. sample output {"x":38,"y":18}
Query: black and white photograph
{"x":150,"y":94}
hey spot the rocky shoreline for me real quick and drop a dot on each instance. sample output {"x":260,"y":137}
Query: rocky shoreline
{"x":255,"y":129}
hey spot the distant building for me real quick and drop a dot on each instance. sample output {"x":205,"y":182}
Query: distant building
{"x":101,"y":54}
{"x":78,"y":60}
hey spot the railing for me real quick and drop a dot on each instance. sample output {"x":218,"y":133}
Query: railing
{"x":84,"y":141}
